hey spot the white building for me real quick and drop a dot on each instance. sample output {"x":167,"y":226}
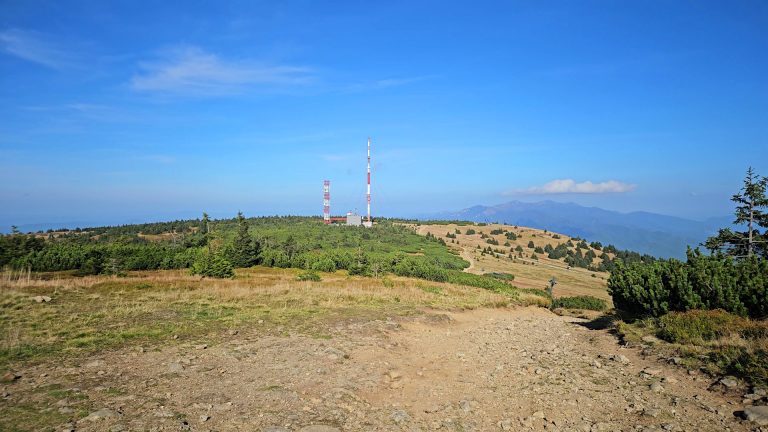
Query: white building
{"x":354,"y":219}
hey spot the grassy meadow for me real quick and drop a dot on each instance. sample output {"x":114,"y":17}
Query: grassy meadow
{"x":100,"y":312}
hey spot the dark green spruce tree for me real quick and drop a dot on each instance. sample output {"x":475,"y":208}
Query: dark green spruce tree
{"x":750,"y":204}
{"x":244,"y":249}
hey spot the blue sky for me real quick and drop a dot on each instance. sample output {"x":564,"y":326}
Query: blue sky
{"x":127,"y":111}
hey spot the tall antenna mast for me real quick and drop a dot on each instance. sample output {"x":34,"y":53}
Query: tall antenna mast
{"x":327,"y":202}
{"x":369,"y":181}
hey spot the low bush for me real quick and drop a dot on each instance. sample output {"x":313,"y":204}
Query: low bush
{"x":308,"y":276}
{"x":213,"y":265}
{"x":502,"y":276}
{"x":702,"y":282}
{"x":580,"y":302}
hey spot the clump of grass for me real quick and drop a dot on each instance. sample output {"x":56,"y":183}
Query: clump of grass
{"x":720,"y":342}
{"x":309,"y":276}
{"x":502,"y":276}
{"x":431,"y":289}
{"x":698,"y":327}
{"x":580,"y":302}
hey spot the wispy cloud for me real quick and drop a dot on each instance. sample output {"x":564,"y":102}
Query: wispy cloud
{"x":569,"y":186}
{"x":190,"y":71}
{"x":387,"y":83}
{"x":36,"y":48}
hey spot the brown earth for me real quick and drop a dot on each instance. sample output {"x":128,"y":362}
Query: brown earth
{"x":479,"y":370}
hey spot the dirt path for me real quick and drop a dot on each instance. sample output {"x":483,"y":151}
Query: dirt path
{"x":467,"y":255}
{"x":483,"y":370}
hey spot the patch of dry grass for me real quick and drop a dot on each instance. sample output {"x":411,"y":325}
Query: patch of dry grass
{"x":533,"y":274}
{"x":720,"y":342}
{"x":98,"y":312}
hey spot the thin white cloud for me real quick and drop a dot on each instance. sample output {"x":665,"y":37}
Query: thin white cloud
{"x":569,"y":186}
{"x":386,"y":83}
{"x":35,"y":48}
{"x":191,"y":71}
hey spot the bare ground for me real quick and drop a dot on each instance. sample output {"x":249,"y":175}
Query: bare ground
{"x":481,"y":370}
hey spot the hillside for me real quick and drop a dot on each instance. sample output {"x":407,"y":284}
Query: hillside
{"x":654,"y":234}
{"x":513,"y":255}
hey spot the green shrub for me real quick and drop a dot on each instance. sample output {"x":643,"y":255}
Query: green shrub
{"x":213,"y":265}
{"x":502,"y":276}
{"x":324,"y":264}
{"x":580,"y":302}
{"x":702,"y":282}
{"x":308,"y":275}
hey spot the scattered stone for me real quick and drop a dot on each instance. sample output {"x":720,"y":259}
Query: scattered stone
{"x":676,"y":360}
{"x":100,"y":414}
{"x":651,"y":371}
{"x":729,"y":382}
{"x":465,"y":406}
{"x":163,"y":412}
{"x":669,"y":379}
{"x":175,"y":367}
{"x":201,"y":346}
{"x":319,"y":428}
{"x":757,"y":414}
{"x":620,"y":358}
{"x":656,"y":387}
{"x":117,"y":428}
{"x":9,"y":377}
{"x":204,"y":418}
{"x":506,"y":425}
{"x":94,"y":364}
{"x":596,"y":364}
{"x":651,"y":412}
{"x":335,"y":354}
{"x":538,"y":414}
{"x":232,"y":332}
{"x":41,"y":299}
{"x":400,"y":416}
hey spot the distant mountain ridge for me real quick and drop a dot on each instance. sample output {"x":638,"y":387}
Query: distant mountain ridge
{"x":644,"y":232}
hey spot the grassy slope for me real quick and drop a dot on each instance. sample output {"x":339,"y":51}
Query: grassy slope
{"x":528,"y":273}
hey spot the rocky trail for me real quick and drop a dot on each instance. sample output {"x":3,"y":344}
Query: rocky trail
{"x":482,"y":370}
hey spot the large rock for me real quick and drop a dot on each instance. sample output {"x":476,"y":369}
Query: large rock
{"x":757,"y":414}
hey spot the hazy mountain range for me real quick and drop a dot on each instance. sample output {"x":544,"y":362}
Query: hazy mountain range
{"x":651,"y":233}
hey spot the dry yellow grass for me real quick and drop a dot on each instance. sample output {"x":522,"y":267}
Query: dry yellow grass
{"x":97,"y":312}
{"x":528,"y":273}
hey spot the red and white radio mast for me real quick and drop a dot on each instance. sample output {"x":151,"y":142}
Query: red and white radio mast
{"x":327,"y":202}
{"x":368,"y":222}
